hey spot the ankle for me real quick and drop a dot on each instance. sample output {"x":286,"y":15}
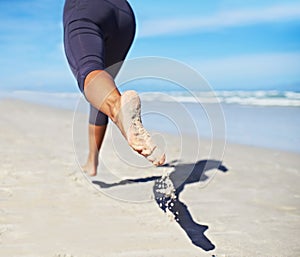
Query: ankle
{"x":93,"y":158}
{"x":113,"y":103}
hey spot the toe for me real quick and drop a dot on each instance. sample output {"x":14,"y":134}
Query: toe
{"x":160,"y":161}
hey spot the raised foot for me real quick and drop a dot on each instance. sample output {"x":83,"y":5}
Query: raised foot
{"x":130,"y":124}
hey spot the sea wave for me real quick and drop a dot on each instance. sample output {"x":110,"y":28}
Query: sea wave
{"x":253,"y":98}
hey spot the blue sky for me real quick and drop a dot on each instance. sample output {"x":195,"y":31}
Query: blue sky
{"x":233,"y":44}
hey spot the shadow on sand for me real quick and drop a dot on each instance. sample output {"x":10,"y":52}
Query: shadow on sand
{"x":183,"y":173}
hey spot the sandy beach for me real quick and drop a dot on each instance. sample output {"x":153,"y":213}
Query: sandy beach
{"x":247,"y":204}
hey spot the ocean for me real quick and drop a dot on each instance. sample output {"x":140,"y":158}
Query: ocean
{"x":269,"y":119}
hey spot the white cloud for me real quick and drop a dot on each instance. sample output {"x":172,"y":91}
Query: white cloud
{"x":239,"y":17}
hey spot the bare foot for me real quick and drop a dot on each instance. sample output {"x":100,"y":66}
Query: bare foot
{"x":130,"y":124}
{"x":90,"y":168}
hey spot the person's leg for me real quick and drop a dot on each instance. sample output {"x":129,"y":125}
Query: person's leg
{"x":124,"y":110}
{"x":96,"y":131}
{"x":76,"y":32}
{"x":96,"y":135}
{"x":89,"y":53}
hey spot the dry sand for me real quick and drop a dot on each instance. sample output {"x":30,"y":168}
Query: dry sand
{"x":49,"y":208}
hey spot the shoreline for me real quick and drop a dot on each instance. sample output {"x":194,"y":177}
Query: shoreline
{"x":163,"y":129}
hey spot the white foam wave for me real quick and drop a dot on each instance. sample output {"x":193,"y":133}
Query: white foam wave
{"x":258,"y":98}
{"x":254,"y":98}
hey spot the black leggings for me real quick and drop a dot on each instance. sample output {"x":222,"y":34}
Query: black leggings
{"x":97,"y":34}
